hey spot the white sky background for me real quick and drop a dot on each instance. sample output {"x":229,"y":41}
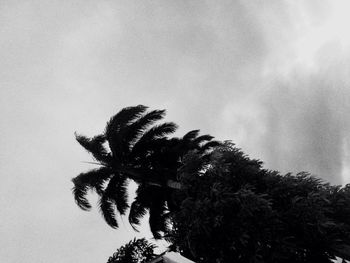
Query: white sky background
{"x":272,"y":76}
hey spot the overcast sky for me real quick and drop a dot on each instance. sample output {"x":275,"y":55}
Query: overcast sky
{"x":272,"y":76}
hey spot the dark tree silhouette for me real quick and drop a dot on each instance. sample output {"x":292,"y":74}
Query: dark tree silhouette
{"x":208,"y":199}
{"x":233,"y":210}
{"x":136,"y":251}
{"x":133,"y":147}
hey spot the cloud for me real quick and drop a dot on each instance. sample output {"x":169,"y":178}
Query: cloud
{"x":307,"y":125}
{"x":234,"y":69}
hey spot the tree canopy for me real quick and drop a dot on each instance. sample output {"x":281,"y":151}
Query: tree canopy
{"x":136,"y":251}
{"x":210,"y":200}
{"x":233,"y":210}
{"x":134,"y":147}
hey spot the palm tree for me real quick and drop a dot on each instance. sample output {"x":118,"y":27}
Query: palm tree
{"x":134,"y":147}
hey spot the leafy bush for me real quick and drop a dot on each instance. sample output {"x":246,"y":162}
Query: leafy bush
{"x":136,"y":251}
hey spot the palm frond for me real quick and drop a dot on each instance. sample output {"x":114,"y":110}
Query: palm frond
{"x":92,"y":179}
{"x":119,"y":121}
{"x":94,"y":146}
{"x":190,"y":135}
{"x":116,"y":191}
{"x":203,"y":138}
{"x":153,"y":199}
{"x":159,"y":131}
{"x":80,"y":192}
{"x":125,"y":117}
{"x":137,"y":211}
{"x":136,"y":129}
{"x":153,"y":138}
{"x":145,"y":195}
{"x":108,"y":211}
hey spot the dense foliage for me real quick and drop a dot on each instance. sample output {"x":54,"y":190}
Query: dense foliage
{"x":136,"y":251}
{"x":235,"y":211}
{"x":212,"y":202}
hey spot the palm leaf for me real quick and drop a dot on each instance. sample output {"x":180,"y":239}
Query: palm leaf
{"x":159,"y":131}
{"x":108,"y":211}
{"x":203,"y":138}
{"x":153,"y":139}
{"x":136,"y":129}
{"x":94,"y":146}
{"x":144,"y":198}
{"x":117,"y":123}
{"x":80,"y":192}
{"x":93,"y":179}
{"x":116,"y":191}
{"x":190,"y":135}
{"x":137,"y":211}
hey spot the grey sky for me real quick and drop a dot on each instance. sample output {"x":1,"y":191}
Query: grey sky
{"x":272,"y":76}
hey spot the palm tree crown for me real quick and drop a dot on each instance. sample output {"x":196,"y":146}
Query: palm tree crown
{"x":134,"y":147}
